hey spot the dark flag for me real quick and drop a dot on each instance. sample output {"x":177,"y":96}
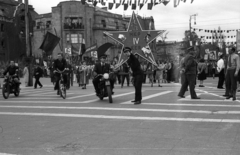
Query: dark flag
{"x":103,"y":48}
{"x":49,"y":43}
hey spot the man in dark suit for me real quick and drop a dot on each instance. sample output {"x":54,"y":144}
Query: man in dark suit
{"x":101,"y":68}
{"x":38,"y":72}
{"x":190,"y":71}
{"x":137,"y":73}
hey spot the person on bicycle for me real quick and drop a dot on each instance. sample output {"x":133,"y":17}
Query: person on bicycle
{"x":12,"y":70}
{"x":101,"y":68}
{"x":59,"y":64}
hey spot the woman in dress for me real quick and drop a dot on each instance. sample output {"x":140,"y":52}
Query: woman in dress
{"x":84,"y":75}
{"x":159,"y":72}
{"x":201,"y":72}
{"x":26,"y":75}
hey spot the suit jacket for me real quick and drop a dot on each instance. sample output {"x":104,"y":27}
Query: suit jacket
{"x":39,"y":71}
{"x":190,"y":65}
{"x":101,"y":70}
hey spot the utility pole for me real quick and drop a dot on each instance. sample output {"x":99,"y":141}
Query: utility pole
{"x":28,"y":46}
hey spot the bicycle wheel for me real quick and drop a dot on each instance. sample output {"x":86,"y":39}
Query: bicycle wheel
{"x":5,"y":91}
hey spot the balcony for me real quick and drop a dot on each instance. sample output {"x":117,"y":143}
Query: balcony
{"x":73,"y":26}
{"x":100,"y":26}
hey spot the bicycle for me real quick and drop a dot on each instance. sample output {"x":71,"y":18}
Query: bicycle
{"x":62,"y":87}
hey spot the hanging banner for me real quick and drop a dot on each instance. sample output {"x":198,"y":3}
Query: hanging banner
{"x":238,"y":41}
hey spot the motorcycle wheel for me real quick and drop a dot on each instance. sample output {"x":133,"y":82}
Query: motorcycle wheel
{"x":109,"y":91}
{"x":5,"y":91}
{"x":17,"y":92}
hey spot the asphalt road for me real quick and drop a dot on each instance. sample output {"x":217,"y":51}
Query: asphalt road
{"x":39,"y":122}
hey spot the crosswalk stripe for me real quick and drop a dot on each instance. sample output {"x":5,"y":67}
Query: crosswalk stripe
{"x":190,"y":105}
{"x":124,"y":117}
{"x":124,"y":109}
{"x":207,"y":100}
{"x":81,"y":96}
{"x":114,"y":96}
{"x":150,"y":96}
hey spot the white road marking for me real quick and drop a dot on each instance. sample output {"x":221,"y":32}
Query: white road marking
{"x":124,"y":109}
{"x":81,"y":96}
{"x":205,"y":100}
{"x":150,"y":96}
{"x":114,"y":96}
{"x":124,"y":117}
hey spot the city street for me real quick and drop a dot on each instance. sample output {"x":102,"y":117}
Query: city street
{"x":39,"y":122}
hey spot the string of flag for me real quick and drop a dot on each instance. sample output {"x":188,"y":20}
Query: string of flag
{"x":134,"y":3}
{"x":215,"y":31}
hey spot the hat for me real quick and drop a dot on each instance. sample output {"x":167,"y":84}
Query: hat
{"x":102,"y":56}
{"x":126,"y":49}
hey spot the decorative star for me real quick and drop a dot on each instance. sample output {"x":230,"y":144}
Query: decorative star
{"x":137,"y":39}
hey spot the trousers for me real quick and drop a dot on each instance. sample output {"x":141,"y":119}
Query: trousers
{"x":189,"y":80}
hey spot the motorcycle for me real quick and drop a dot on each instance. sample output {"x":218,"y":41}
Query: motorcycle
{"x":9,"y":87}
{"x":105,"y":87}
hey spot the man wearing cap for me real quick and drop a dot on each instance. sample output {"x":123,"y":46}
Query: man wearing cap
{"x":190,"y":70}
{"x":233,"y":66}
{"x":12,"y":70}
{"x":101,"y":68}
{"x":137,"y":73}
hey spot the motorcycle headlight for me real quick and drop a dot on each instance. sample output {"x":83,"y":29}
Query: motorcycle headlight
{"x":106,"y":76}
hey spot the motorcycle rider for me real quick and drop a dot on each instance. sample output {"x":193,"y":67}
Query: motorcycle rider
{"x":12,"y":70}
{"x":101,"y":68}
{"x":59,"y":64}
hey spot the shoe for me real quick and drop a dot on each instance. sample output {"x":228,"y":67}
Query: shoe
{"x":220,"y":88}
{"x":225,"y":95}
{"x":35,"y":88}
{"x":228,"y":97}
{"x":137,"y":102}
{"x":234,"y":99}
{"x":58,"y":93}
{"x":196,"y":98}
{"x":181,"y":96}
{"x":40,"y":86}
{"x":133,"y":101}
{"x":112,"y":92}
{"x":159,"y":86}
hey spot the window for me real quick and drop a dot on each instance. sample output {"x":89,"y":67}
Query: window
{"x":3,"y":43}
{"x":74,"y":38}
{"x":48,"y":24}
{"x":68,"y":37}
{"x":124,"y":27}
{"x":73,"y":23}
{"x":39,"y":25}
{"x":117,"y":27}
{"x":2,"y":27}
{"x":22,"y":18}
{"x":80,"y":36}
{"x":103,"y":23}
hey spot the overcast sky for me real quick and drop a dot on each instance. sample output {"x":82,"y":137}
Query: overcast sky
{"x":211,"y":15}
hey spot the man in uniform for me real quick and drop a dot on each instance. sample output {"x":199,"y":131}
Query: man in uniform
{"x":124,"y":71}
{"x":190,"y":70}
{"x":59,"y":64}
{"x":101,"y":68}
{"x":137,"y":73}
{"x":233,"y":66}
{"x":12,"y":70}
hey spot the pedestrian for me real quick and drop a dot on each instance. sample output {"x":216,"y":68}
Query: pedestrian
{"x":124,"y":72}
{"x":137,"y":73}
{"x":169,"y":71}
{"x":233,"y":66}
{"x":38,"y":73}
{"x":190,"y":71}
{"x":201,"y":72}
{"x":159,"y":72}
{"x":220,"y":69}
{"x":84,"y":71}
{"x":69,"y":73}
{"x":26,"y":75}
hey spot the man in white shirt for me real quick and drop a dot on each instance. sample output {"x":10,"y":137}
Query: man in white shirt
{"x":220,"y":69}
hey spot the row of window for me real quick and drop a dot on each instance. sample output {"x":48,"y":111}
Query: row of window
{"x":41,"y":25}
{"x":1,"y":27}
{"x":103,"y":22}
{"x":74,"y":38}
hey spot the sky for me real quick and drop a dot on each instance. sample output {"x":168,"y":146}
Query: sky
{"x":211,"y":14}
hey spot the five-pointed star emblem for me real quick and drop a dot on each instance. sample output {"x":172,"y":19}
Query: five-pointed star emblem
{"x":137,"y":39}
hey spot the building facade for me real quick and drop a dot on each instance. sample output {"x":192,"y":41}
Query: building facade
{"x":74,"y":22}
{"x":12,"y":29}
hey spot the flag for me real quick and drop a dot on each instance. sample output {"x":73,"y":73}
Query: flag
{"x":110,"y":6}
{"x":118,"y":4}
{"x":49,"y":43}
{"x":126,"y":6}
{"x":192,"y":1}
{"x":150,"y":5}
{"x":238,"y":41}
{"x":74,"y":50}
{"x":165,"y":2}
{"x":134,"y":5}
{"x":82,"y":47}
